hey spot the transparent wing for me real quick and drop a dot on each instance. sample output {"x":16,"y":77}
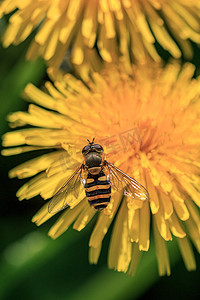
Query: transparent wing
{"x":69,"y":189}
{"x":121,"y":181}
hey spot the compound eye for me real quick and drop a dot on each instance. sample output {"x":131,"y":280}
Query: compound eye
{"x":85,"y":149}
{"x":98,"y":147}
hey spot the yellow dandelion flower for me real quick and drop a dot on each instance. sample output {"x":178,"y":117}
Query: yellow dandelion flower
{"x":129,"y":28}
{"x":148,"y":123}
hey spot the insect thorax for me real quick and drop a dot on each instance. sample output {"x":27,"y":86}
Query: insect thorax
{"x":93,"y":162}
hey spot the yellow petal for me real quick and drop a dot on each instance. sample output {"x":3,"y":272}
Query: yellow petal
{"x":192,"y":192}
{"x":42,"y":215}
{"x":135,"y":259}
{"x":103,"y":223}
{"x":181,"y":210}
{"x":162,"y":225}
{"x":144,"y":239}
{"x":154,"y":200}
{"x":94,"y":254}
{"x":65,"y":220}
{"x":135,"y":227}
{"x":161,"y":253}
{"x":194,"y":213}
{"x":175,"y":226}
{"x":193,"y":233}
{"x":84,"y":218}
{"x":187,"y":253}
{"x":167,"y":204}
{"x":119,"y":255}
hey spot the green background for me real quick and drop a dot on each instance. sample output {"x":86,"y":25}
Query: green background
{"x":32,"y":266}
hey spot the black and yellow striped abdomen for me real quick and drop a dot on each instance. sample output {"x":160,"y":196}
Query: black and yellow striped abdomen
{"x":98,"y":190}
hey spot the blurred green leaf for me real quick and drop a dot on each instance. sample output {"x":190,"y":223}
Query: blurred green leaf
{"x":23,"y":256}
{"x":12,"y":85}
{"x":40,"y":251}
{"x":109,"y":285}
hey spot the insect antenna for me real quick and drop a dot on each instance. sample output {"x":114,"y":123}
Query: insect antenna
{"x":92,"y":141}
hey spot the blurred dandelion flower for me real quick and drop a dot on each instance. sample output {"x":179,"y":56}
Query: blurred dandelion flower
{"x":128,"y":28}
{"x":148,"y":123}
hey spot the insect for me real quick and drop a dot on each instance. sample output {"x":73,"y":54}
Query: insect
{"x":98,"y":177}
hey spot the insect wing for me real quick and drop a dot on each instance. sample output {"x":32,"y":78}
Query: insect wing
{"x":68,"y":190}
{"x":120,"y":180}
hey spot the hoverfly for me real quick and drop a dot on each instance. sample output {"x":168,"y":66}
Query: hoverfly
{"x":100,"y":176}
